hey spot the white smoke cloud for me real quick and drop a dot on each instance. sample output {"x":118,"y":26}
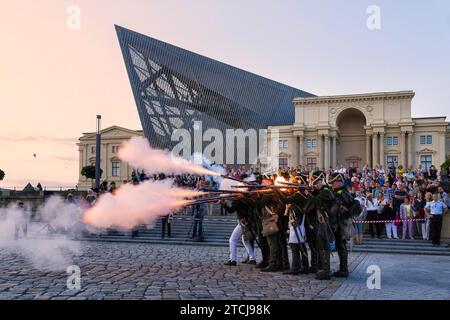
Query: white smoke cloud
{"x":138,"y":153}
{"x":214,"y":167}
{"x":43,"y":252}
{"x":230,"y":185}
{"x":132,"y":205}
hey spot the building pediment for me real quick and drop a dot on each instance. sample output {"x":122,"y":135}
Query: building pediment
{"x":111,"y":133}
{"x":392,"y":151}
{"x":311,"y":154}
{"x":283,"y":154}
{"x":425,"y":151}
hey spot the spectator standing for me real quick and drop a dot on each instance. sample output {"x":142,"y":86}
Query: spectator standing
{"x":406,"y":212}
{"x":433,"y":173}
{"x":166,"y":221}
{"x":200,"y":211}
{"x":419,"y":209}
{"x":443,"y":196}
{"x":399,"y":196}
{"x":22,"y":219}
{"x":436,"y":209}
{"x":361,"y":217}
{"x":389,"y":214}
{"x":377,"y":190}
{"x":372,"y":215}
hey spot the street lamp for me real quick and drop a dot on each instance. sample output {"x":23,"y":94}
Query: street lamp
{"x":97,"y":154}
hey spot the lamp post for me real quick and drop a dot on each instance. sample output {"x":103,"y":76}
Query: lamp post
{"x":97,"y":154}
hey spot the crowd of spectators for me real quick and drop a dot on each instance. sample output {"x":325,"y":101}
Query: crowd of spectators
{"x":405,"y":199}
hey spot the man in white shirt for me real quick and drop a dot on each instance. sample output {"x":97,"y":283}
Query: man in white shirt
{"x":360,"y":226}
{"x":436,"y":209}
{"x":372,"y":215}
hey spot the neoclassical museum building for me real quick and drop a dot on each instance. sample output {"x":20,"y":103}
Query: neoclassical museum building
{"x":358,"y":129}
{"x":174,"y":87}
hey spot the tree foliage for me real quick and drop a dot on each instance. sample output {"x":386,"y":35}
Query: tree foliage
{"x":89,"y":172}
{"x":445,"y":165}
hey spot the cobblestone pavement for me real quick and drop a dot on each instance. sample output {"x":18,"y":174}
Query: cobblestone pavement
{"x":148,"y":271}
{"x":402,"y":277}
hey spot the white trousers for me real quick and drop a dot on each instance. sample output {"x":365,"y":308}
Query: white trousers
{"x":425,"y":228}
{"x":234,"y":238}
{"x":391,"y":230}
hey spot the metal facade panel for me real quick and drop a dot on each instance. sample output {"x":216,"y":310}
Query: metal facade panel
{"x":173,"y":87}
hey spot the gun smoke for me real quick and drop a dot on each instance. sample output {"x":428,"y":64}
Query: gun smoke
{"x":132,"y":205}
{"x":50,"y":253}
{"x":138,"y":153}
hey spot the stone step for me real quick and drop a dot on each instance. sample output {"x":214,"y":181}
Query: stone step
{"x":410,"y":247}
{"x":402,"y":251}
{"x":442,"y":251}
{"x":398,"y":243}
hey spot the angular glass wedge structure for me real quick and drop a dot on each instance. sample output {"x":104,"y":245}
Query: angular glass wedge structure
{"x":174,"y":87}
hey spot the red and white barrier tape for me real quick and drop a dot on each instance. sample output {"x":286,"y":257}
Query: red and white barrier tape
{"x":386,"y":221}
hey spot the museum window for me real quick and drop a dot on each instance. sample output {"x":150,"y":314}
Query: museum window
{"x":426,"y":139}
{"x":389,"y":140}
{"x":115,"y":169}
{"x":392,"y":160}
{"x":92,"y":149}
{"x":283,"y":144}
{"x":311,"y":163}
{"x":395,"y":140}
{"x":425,"y":161}
{"x":311,"y":143}
{"x":283,"y":162}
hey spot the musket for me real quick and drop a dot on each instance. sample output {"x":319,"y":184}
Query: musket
{"x":211,"y":199}
{"x":235,"y":179}
{"x":235,"y":191}
{"x":258,"y":186}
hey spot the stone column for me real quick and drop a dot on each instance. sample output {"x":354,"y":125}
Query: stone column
{"x":80,"y":159}
{"x":86,"y":152}
{"x":410,"y":154}
{"x":320,"y":147}
{"x":402,"y":149}
{"x":334,"y":152}
{"x":327,"y":151}
{"x":382,"y":145}
{"x":368,"y":151}
{"x":374,"y":149}
{"x":300,"y":149}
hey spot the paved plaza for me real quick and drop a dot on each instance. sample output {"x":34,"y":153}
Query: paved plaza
{"x":159,"y":271}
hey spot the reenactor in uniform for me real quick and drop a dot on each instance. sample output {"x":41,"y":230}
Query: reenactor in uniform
{"x":297,"y":234}
{"x":242,"y":230}
{"x":344,"y":208}
{"x":273,"y":210}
